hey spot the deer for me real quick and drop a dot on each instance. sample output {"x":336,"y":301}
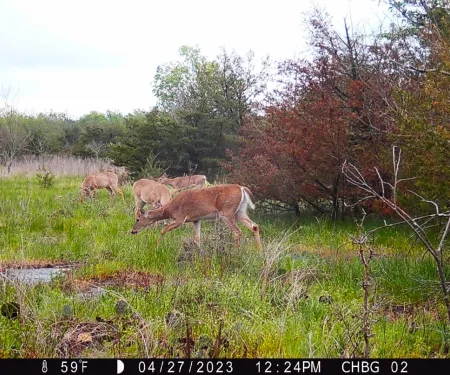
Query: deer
{"x":227,"y":202}
{"x":149,"y":191}
{"x":123,"y":175}
{"x":184,"y":182}
{"x":106,"y":180}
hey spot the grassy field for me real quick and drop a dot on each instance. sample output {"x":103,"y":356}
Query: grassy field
{"x":300,"y":297}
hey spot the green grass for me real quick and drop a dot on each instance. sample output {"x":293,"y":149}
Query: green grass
{"x":300,"y":297}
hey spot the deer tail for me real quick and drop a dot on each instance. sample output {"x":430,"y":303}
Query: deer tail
{"x":248,"y":196}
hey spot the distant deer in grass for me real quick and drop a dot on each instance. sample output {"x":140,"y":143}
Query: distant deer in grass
{"x":226,"y":202}
{"x":184,"y":182}
{"x":106,"y":180}
{"x":149,"y":191}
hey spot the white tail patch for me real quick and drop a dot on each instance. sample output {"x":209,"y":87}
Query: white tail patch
{"x":245,"y":202}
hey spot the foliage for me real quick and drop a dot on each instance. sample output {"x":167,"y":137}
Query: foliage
{"x":14,"y":136}
{"x":151,"y":168}
{"x":97,"y":132}
{"x":147,"y":134}
{"x":323,"y":112}
{"x":422,"y":106}
{"x":209,"y":100}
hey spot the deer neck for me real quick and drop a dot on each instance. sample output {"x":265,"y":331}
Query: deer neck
{"x":160,"y":214}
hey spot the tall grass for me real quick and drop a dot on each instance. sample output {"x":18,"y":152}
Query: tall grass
{"x":59,"y":165}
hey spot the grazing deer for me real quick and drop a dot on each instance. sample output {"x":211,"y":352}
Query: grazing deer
{"x":149,"y":191}
{"x":123,"y":174}
{"x":227,"y":202}
{"x":185,"y":182}
{"x":106,"y":180}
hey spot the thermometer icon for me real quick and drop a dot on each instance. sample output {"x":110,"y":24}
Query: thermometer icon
{"x":44,"y":366}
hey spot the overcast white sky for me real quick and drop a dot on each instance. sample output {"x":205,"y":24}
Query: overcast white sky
{"x":84,"y":55}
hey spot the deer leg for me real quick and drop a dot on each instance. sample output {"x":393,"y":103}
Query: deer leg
{"x":112,"y":194}
{"x":117,"y":190}
{"x":139,"y":206}
{"x":197,"y":226}
{"x":244,"y":219}
{"x":237,"y":233}
{"x":84,"y":195}
{"x":94,"y":190}
{"x":168,"y":228}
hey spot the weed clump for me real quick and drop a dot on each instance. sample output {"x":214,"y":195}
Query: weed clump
{"x":45,"y":178}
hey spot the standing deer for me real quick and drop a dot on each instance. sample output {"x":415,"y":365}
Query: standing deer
{"x":185,"y":182}
{"x":227,"y":202}
{"x":106,"y":180}
{"x":149,"y":191}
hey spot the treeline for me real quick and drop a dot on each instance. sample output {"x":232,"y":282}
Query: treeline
{"x":284,"y":129}
{"x":201,"y":108}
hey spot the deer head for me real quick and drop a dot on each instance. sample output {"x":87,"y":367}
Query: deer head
{"x":147,"y":218}
{"x":163,"y":178}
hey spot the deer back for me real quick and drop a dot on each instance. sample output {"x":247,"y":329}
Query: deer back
{"x":198,"y":204}
{"x":105,"y":179}
{"x":187,"y":181}
{"x":151,"y":191}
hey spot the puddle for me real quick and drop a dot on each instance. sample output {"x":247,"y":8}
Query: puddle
{"x":35,"y":271}
{"x":33,"y":275}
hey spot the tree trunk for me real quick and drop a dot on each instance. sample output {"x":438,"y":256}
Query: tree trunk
{"x":442,"y":279}
{"x":335,"y":197}
{"x":335,"y":209}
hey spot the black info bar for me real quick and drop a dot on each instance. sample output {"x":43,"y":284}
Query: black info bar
{"x":87,"y":366}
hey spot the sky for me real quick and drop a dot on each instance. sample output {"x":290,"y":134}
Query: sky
{"x":97,"y":55}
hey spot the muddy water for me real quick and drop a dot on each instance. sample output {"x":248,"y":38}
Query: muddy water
{"x":34,"y":275}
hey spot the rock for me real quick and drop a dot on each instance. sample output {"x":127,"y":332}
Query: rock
{"x":121,"y":307}
{"x":325,"y":299}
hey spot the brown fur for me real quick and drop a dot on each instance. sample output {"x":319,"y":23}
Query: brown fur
{"x":185,"y":182}
{"x":123,"y":174}
{"x":106,"y":180}
{"x":227,"y":202}
{"x":149,"y":191}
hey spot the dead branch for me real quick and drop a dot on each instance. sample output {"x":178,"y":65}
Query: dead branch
{"x":355,"y":177}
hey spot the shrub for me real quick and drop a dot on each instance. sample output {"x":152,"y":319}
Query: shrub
{"x":45,"y":178}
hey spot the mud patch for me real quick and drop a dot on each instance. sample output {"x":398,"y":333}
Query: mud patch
{"x":33,"y":264}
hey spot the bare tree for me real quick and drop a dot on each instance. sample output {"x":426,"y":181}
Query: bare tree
{"x":418,"y":224}
{"x":96,"y":147}
{"x":40,"y":144}
{"x":14,"y":137}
